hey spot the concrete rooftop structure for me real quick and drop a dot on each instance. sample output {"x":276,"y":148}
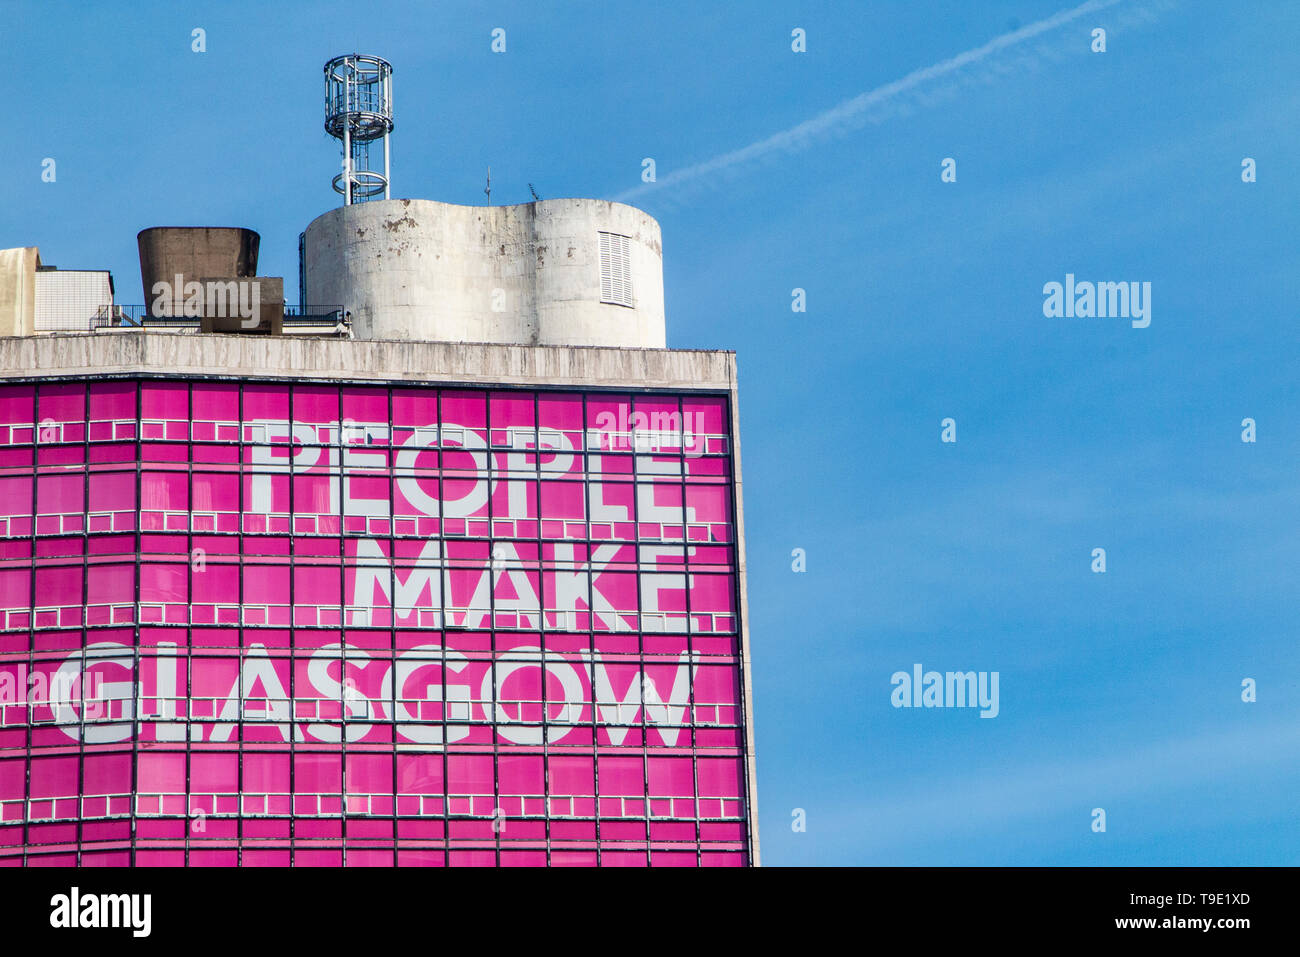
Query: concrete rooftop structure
{"x":554,"y":272}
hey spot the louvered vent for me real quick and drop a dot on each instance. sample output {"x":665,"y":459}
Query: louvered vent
{"x":615,"y":270}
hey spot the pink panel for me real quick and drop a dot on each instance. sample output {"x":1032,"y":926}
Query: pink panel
{"x":422,"y":858}
{"x":619,"y":775}
{"x":159,"y":858}
{"x":112,"y":400}
{"x":573,"y":858}
{"x":164,"y":400}
{"x":366,"y":406}
{"x":213,"y":858}
{"x":609,"y":417}
{"x":254,"y":857}
{"x":53,"y":777}
{"x":161,"y":772}
{"x":112,"y":492}
{"x":671,"y":776}
{"x":168,"y":491}
{"x":483,"y":858}
{"x":215,"y":402}
{"x":63,"y":403}
{"x":370,"y":773}
{"x":513,"y":420}
{"x":57,"y":494}
{"x":523,"y":858}
{"x":212,"y":679}
{"x":467,"y":409}
{"x":16,"y":495}
{"x":312,"y":493}
{"x":712,"y":593}
{"x":266,"y":773}
{"x":412,"y":409}
{"x":420,"y":773}
{"x":720,"y":777}
{"x":266,"y":584}
{"x":106,"y":859}
{"x":164,"y":583}
{"x":708,"y":413}
{"x":319,"y":585}
{"x":369,"y":858}
{"x":318,"y":772}
{"x":623,"y":859}
{"x":17,"y":404}
{"x":107,"y":774}
{"x":214,"y":772}
{"x":659,"y":422}
{"x":58,"y":585}
{"x":672,"y":859}
{"x":512,"y":409}
{"x":613,"y":508}
{"x":724,"y":859}
{"x":521,"y":774}
{"x":263,"y":401}
{"x":563,"y":500}
{"x":709,"y":469}
{"x":15,"y":588}
{"x":216,"y":584}
{"x":717,"y":684}
{"x":216,"y":492}
{"x":13,"y":783}
{"x":317,"y":405}
{"x":711,"y":503}
{"x":469,"y":773}
{"x":110,"y":583}
{"x":560,"y":411}
{"x":619,"y":590}
{"x":722,"y":831}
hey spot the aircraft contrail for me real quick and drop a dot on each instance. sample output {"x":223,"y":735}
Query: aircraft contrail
{"x":847,"y":111}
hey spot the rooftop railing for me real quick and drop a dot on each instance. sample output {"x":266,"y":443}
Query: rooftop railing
{"x":296,"y":318}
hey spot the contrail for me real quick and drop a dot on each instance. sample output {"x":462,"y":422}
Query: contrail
{"x":845,"y":112}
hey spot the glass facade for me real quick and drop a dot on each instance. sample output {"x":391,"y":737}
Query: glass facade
{"x":256,"y":623}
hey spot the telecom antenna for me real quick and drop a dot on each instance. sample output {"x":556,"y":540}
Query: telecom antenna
{"x":359,"y":112}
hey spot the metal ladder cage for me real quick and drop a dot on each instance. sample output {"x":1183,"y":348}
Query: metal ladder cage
{"x":358,"y":112}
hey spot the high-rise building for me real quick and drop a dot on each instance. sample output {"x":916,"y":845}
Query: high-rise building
{"x":449,"y":571}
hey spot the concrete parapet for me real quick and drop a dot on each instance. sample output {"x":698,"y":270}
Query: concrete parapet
{"x":288,"y":357}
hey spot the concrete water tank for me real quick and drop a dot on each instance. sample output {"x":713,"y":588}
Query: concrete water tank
{"x":553,"y":272}
{"x":195,"y":252}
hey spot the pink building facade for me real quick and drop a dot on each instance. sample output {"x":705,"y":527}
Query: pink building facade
{"x":330,"y":623}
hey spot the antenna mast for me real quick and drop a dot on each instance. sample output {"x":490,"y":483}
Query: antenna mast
{"x":359,"y":112}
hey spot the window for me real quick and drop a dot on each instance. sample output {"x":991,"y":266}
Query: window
{"x":615,"y":270}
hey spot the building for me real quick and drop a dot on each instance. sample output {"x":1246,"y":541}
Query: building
{"x":452,"y":576}
{"x":42,"y":298}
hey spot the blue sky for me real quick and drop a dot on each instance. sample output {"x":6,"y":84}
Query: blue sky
{"x":924,"y":301}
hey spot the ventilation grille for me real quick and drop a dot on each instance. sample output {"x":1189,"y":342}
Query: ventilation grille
{"x":615,"y":270}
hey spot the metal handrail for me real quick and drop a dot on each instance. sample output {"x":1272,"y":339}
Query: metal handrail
{"x":141,"y":316}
